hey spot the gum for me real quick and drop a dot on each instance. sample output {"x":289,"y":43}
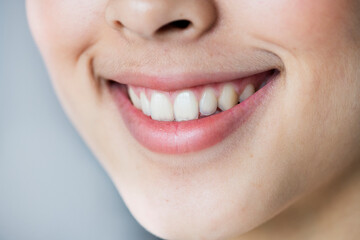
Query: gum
{"x":239,"y":85}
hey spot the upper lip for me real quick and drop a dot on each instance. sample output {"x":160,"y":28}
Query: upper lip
{"x":180,"y":81}
{"x":168,"y":78}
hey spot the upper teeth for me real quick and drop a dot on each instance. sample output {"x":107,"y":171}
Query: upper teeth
{"x":145,"y":104}
{"x":208,"y":102}
{"x":186,"y":105}
{"x":228,"y":97}
{"x":161,"y":107}
{"x":134,"y":98}
{"x":247,"y":92}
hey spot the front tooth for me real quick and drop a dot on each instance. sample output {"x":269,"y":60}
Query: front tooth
{"x":186,"y":106}
{"x":134,"y":98}
{"x":208,"y":102}
{"x":228,"y":97}
{"x":161,"y":107}
{"x":248,"y":91}
{"x":145,"y":104}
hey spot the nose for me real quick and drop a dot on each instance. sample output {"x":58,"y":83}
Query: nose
{"x":162,"y":19}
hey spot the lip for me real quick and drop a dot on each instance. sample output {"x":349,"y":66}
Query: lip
{"x":182,"y":81}
{"x":187,"y":136}
{"x":187,"y":72}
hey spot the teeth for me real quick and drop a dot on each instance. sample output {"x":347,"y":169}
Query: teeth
{"x":208,"y":102}
{"x":134,"y":98}
{"x":228,"y":97}
{"x":145,"y":104}
{"x":161,"y":107}
{"x":186,"y":106}
{"x":248,"y":91}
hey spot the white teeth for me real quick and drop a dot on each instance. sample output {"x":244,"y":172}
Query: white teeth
{"x":145,"y":104}
{"x":161,"y":107}
{"x":134,"y":98}
{"x":248,"y":91}
{"x":208,"y":102}
{"x":228,"y":97}
{"x":186,"y":106}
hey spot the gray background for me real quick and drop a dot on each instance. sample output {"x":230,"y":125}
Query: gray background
{"x":51,"y":186}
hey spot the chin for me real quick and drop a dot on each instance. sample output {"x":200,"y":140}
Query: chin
{"x":194,"y":217}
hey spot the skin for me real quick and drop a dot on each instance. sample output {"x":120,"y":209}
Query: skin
{"x":293,"y":173}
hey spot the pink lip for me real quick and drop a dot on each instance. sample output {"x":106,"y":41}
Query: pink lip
{"x":181,"y":81}
{"x":188,"y":136}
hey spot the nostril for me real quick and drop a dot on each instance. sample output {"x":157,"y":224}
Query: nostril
{"x":175,"y":25}
{"x":118,"y":24}
{"x":181,"y":24}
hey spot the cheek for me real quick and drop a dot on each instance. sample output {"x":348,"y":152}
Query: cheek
{"x":65,"y":31}
{"x":65,"y":27}
{"x":301,"y":24}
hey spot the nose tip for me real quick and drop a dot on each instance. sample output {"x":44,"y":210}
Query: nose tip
{"x":159,"y":19}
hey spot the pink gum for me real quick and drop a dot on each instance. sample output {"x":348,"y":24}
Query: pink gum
{"x":239,"y":84}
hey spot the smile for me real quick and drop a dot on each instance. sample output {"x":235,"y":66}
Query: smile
{"x":190,"y":119}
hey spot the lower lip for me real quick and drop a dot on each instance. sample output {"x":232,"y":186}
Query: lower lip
{"x":187,"y":136}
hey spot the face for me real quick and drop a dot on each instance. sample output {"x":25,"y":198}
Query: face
{"x":212,"y":152}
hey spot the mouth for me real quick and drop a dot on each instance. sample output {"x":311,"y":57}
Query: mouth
{"x":178,"y":121}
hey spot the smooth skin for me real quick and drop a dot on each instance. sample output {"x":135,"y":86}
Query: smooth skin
{"x":292,"y":173}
